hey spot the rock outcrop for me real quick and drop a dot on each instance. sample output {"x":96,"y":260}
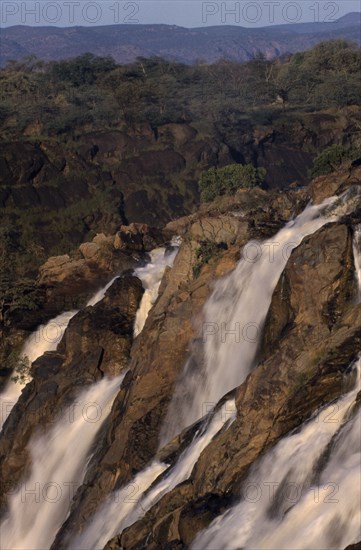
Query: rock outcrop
{"x":69,"y":279}
{"x":312,"y":334}
{"x":96,"y":343}
{"x":172,"y":330}
{"x":67,"y":282}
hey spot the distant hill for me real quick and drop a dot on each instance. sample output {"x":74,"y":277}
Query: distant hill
{"x":126,"y":42}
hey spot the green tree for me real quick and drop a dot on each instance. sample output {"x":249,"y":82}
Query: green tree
{"x":83,"y":70}
{"x":226,"y":180}
{"x":330,"y":159}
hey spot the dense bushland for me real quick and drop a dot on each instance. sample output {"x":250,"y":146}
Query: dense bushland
{"x":227,"y":103}
{"x":64,"y":97}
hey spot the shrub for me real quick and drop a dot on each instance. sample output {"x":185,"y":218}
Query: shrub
{"x":330,"y":159}
{"x":20,"y":364}
{"x":226,"y":180}
{"x":205,"y":252}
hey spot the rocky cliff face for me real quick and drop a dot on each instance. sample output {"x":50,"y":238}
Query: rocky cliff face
{"x":311,"y":335}
{"x":313,"y":332}
{"x":146,"y":175}
{"x":97,"y":342}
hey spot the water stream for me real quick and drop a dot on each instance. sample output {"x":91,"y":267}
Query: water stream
{"x":233,"y":320}
{"x":127,"y":505}
{"x":58,"y":464}
{"x":59,"y":457}
{"x":291,"y":501}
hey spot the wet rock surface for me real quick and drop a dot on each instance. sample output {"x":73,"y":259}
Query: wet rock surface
{"x":96,"y":343}
{"x":311,"y":335}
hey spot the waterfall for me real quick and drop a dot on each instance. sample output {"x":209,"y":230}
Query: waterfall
{"x":357,"y":257}
{"x":44,"y":338}
{"x":233,"y":320}
{"x":273,"y":517}
{"x":99,"y":294}
{"x":296,"y":500}
{"x":243,"y":297}
{"x":287,"y":502}
{"x":151,"y":275}
{"x":126,"y":506}
{"x":40,"y":505}
{"x":59,"y":458}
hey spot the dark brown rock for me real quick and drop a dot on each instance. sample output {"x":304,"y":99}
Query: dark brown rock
{"x":140,"y":237}
{"x":69,"y":280}
{"x":97,"y":342}
{"x":309,"y":343}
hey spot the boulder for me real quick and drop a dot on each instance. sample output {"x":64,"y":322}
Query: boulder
{"x":89,"y":250}
{"x":179,"y":133}
{"x":128,"y":240}
{"x":72,"y":279}
{"x":140,"y":237}
{"x":335,"y":183}
{"x":220,"y":229}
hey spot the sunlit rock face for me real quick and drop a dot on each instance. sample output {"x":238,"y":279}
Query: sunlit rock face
{"x":202,"y":409}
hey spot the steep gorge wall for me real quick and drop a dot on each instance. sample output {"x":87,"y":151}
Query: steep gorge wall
{"x":312,"y":334}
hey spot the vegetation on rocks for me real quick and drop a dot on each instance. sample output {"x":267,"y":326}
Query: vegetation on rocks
{"x":88,"y":145}
{"x":206,"y":251}
{"x":20,"y":365}
{"x":331,"y":158}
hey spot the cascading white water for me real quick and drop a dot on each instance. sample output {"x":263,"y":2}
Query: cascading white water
{"x":59,"y":458}
{"x":45,"y":338}
{"x":290,"y":506}
{"x":357,"y":257}
{"x":240,"y":300}
{"x":285,"y":504}
{"x":233,"y":320}
{"x":126,"y":506}
{"x":243,"y":296}
{"x":151,"y":276}
{"x":99,"y":294}
{"x":58,"y":463}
